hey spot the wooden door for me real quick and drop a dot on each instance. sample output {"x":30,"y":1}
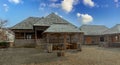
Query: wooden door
{"x":88,"y":40}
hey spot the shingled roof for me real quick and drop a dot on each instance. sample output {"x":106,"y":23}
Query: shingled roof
{"x":27,"y":23}
{"x":51,"y":19}
{"x":62,"y":28}
{"x":93,"y":29}
{"x":113,"y":30}
{"x":36,"y":21}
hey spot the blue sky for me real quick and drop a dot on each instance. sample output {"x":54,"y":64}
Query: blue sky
{"x":78,"y":12}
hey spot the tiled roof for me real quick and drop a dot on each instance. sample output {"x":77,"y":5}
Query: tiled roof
{"x":93,"y":29}
{"x":36,"y":21}
{"x":27,"y":23}
{"x":113,"y":30}
{"x":62,"y":28}
{"x":51,"y":19}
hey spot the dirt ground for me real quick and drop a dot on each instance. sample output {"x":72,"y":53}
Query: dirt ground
{"x":90,"y":55}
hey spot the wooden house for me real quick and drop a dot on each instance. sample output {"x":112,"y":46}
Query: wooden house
{"x":37,"y":31}
{"x":93,"y":34}
{"x":112,"y":36}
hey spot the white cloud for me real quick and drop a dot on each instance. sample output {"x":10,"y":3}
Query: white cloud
{"x":89,"y":3}
{"x":76,"y":2}
{"x":54,"y":5}
{"x":67,"y":5}
{"x":42,"y":6}
{"x":15,"y":1}
{"x":78,"y":14}
{"x":85,"y":18}
{"x":117,"y":3}
{"x":6,"y":7}
{"x":115,"y":0}
{"x":53,"y":0}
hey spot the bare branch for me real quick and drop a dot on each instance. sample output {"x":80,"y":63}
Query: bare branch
{"x":3,"y":23}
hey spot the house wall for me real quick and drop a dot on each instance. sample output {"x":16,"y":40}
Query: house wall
{"x":72,"y":40}
{"x":112,"y":40}
{"x":92,"y":39}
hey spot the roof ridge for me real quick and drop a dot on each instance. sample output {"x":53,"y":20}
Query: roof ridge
{"x":53,"y":19}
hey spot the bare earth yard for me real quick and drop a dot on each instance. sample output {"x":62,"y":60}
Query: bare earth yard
{"x":90,"y":55}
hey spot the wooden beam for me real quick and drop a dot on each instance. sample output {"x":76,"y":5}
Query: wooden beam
{"x":35,"y":36}
{"x":119,"y":37}
{"x":24,"y":35}
{"x":79,"y":42}
{"x":47,"y":38}
{"x":48,"y":45}
{"x":65,"y":41}
{"x":70,"y":38}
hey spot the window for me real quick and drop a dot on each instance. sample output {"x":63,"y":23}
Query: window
{"x":116,"y":37}
{"x":101,"y":39}
{"x":29,"y":36}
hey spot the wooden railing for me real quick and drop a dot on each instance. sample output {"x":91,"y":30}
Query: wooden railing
{"x":40,"y":41}
{"x":22,"y":42}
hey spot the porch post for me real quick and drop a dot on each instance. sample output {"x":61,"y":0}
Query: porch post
{"x":70,"y":37}
{"x":119,"y":37}
{"x":24,"y":35}
{"x":35,"y":36}
{"x":48,"y":45}
{"x":108,"y":40}
{"x":79,"y":42}
{"x":47,"y":38}
{"x":65,"y":40}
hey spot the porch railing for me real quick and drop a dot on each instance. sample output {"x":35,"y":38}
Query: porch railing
{"x":23,"y":42}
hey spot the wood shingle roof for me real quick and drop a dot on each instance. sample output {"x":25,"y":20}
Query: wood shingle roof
{"x":62,"y":28}
{"x":51,"y":19}
{"x":36,"y":21}
{"x":113,"y":30}
{"x":27,"y":23}
{"x":93,"y":29}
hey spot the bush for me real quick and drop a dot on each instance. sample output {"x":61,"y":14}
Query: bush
{"x":4,"y":44}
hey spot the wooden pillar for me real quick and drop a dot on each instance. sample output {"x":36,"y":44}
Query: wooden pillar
{"x":24,"y":35}
{"x":48,"y":45}
{"x":62,"y":52}
{"x":108,"y":40}
{"x":65,"y":41}
{"x":119,"y":37}
{"x":47,"y":38}
{"x":36,"y":37}
{"x":11,"y":44}
{"x":79,"y":42}
{"x":70,"y":38}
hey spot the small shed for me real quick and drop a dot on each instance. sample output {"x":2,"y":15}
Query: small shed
{"x":112,"y":36}
{"x":64,"y":36}
{"x":93,"y":34}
